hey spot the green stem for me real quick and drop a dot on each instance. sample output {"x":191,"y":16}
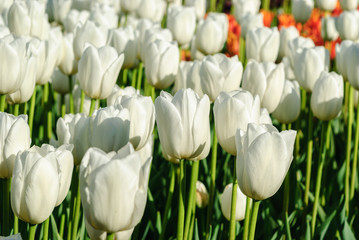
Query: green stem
{"x":110,"y":236}
{"x":32,"y":231}
{"x":232,"y":222}
{"x":324,"y":145}
{"x":16,"y":109}
{"x":63,"y":105}
{"x":355,"y":158}
{"x":266,"y":4}
{"x":153,"y":93}
{"x":212,"y":5}
{"x":71,"y":96}
{"x":254,"y":219}
{"x":139,"y":76}
{"x":134,"y":78}
{"x":32,"y":110}
{"x":77,"y":209}
{"x":62,"y":225}
{"x":309,"y":157}
{"x":92,"y":106}
{"x":287,"y":227}
{"x":182,"y":189}
{"x":247,"y":218}
{"x":346,"y":98}
{"x":16,"y":224}
{"x":124,"y":76}
{"x":2,"y":103}
{"x":168,"y":202}
{"x":213,"y":180}
{"x":191,"y":198}
{"x":82,"y":101}
{"x":349,"y":141}
{"x":25,"y":108}
{"x":46,"y":229}
{"x":242,"y":50}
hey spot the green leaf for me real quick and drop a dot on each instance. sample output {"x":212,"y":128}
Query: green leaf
{"x":55,"y":232}
{"x":326,"y":224}
{"x":347,"y":232}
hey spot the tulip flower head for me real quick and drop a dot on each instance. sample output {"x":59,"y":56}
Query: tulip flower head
{"x":342,"y":51}
{"x":183,"y":125}
{"x":226,"y":203}
{"x":347,"y":25}
{"x":302,"y":9}
{"x":15,"y":137}
{"x":352,"y":58}
{"x":327,"y":96}
{"x":264,"y":156}
{"x":98,"y":71}
{"x":113,"y":206}
{"x":182,"y":23}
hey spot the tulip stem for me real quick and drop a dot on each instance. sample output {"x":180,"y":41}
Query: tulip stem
{"x":355,"y":159}
{"x":16,"y":224}
{"x":46,"y":229}
{"x":182,"y":190}
{"x":254,"y":219}
{"x":168,"y":202}
{"x":71,"y":97}
{"x":309,"y":157}
{"x":324,"y":146}
{"x":139,"y":76}
{"x":232,"y":222}
{"x":82,"y":101}
{"x":92,"y":106}
{"x":2,"y":102}
{"x":110,"y":236}
{"x":16,"y":109}
{"x":124,"y":76}
{"x":32,"y":231}
{"x":213,"y":181}
{"x":212,"y":5}
{"x":191,"y":198}
{"x":266,"y":4}
{"x":247,"y":218}
{"x":242,"y":50}
{"x":63,"y":105}
{"x":32,"y":110}
{"x":349,"y":141}
{"x":77,"y":209}
{"x":134,"y":77}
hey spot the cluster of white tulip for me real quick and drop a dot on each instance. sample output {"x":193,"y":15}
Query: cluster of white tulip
{"x":110,"y":148}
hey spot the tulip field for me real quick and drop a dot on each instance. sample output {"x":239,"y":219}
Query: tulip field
{"x":179,"y":119}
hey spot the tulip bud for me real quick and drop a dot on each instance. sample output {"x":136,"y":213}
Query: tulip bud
{"x":181,"y":77}
{"x":347,"y":25}
{"x":226,"y":203}
{"x":102,"y":198}
{"x":212,"y":33}
{"x":202,"y":195}
{"x":125,"y":40}
{"x":352,"y":58}
{"x":348,"y":4}
{"x":327,"y":96}
{"x":286,"y":35}
{"x":102,"y":235}
{"x":150,"y":36}
{"x":182,"y":23}
{"x":183,"y":125}
{"x":220,"y":73}
{"x":304,"y":62}
{"x":57,"y":10}
{"x":329,"y":31}
{"x":142,"y":118}
{"x":105,"y":15}
{"x":245,"y":7}
{"x":68,"y":63}
{"x":73,"y":19}
{"x":118,"y":92}
{"x":249,"y":22}
{"x":265,"y":80}
{"x":341,"y":57}
{"x":129,"y":6}
{"x":262,"y":44}
{"x":327,"y":5}
{"x":199,"y":5}
{"x":264,"y":156}
{"x":302,"y":9}
{"x":98,"y":71}
{"x":231,"y":111}
{"x":15,"y":137}
{"x":152,"y":9}
{"x":289,"y":106}
{"x":162,"y":60}
{"x":88,"y":34}
{"x":295,"y":44}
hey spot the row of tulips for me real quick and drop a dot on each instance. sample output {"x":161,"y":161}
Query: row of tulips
{"x":94,"y":179}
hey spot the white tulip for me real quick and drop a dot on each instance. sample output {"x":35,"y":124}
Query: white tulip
{"x":327,"y":96}
{"x":341,"y":57}
{"x":73,"y":19}
{"x":200,"y":7}
{"x":347,"y":25}
{"x":352,"y":58}
{"x":264,"y":156}
{"x":245,"y":7}
{"x":329,"y":30}
{"x":118,"y":92}
{"x":249,"y":22}
{"x":226,"y":203}
{"x":327,"y":5}
{"x":286,"y":34}
{"x":182,"y":23}
{"x":302,"y":9}
{"x":349,"y":4}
